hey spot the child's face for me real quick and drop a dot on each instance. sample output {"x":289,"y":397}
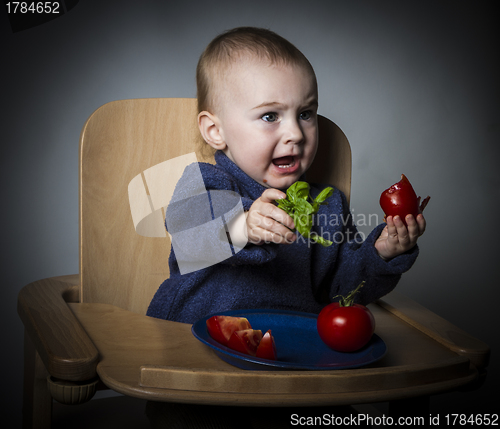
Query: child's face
{"x":268,"y":121}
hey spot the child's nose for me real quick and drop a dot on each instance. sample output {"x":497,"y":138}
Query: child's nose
{"x":293,"y":132}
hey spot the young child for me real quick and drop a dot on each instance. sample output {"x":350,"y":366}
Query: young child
{"x":258,"y":102}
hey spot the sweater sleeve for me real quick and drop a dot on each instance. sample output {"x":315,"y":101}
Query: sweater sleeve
{"x":205,"y":200}
{"x":357,"y":260}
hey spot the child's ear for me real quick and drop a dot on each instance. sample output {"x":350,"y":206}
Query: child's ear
{"x":209,"y":126}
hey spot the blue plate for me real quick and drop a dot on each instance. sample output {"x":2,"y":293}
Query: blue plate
{"x":298,"y":344}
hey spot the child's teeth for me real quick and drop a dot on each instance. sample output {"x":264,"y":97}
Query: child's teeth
{"x":290,"y":164}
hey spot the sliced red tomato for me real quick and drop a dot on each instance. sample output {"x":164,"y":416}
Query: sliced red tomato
{"x":267,"y":347}
{"x":245,"y":341}
{"x":221,"y":328}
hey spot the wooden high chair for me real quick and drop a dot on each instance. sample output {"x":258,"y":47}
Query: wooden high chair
{"x":88,"y":330}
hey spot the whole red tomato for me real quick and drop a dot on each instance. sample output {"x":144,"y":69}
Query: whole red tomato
{"x":401,"y":200}
{"x":344,"y":326}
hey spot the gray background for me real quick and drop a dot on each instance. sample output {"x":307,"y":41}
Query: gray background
{"x":414,"y":85}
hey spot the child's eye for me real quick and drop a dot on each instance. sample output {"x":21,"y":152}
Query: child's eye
{"x":306,"y":115}
{"x":270,"y":117}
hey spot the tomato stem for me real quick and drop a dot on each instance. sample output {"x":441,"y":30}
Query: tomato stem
{"x":348,"y":301}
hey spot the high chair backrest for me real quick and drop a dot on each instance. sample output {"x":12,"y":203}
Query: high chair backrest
{"x":125,"y":148}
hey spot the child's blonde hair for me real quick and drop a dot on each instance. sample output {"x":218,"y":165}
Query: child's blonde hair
{"x":231,"y":46}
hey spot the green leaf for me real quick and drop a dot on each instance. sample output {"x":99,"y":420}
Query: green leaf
{"x":302,"y":190}
{"x":320,"y":199}
{"x":300,"y":206}
{"x":285,"y":205}
{"x":318,"y":239}
{"x":323,"y":195}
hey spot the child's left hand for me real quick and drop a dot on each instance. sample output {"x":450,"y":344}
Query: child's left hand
{"x":396,"y":238}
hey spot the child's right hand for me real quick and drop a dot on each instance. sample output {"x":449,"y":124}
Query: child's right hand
{"x":266,"y":223}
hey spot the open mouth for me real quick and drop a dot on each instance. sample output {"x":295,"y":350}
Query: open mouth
{"x":284,"y":162}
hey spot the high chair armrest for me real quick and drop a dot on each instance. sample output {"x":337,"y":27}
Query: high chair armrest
{"x":437,"y":328}
{"x":63,"y":345}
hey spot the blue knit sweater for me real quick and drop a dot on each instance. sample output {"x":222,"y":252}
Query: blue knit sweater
{"x":299,"y":277}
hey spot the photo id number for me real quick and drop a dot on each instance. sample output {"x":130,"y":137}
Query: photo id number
{"x":33,"y":7}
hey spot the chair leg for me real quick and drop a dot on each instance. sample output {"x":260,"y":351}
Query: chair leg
{"x":37,"y":401}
